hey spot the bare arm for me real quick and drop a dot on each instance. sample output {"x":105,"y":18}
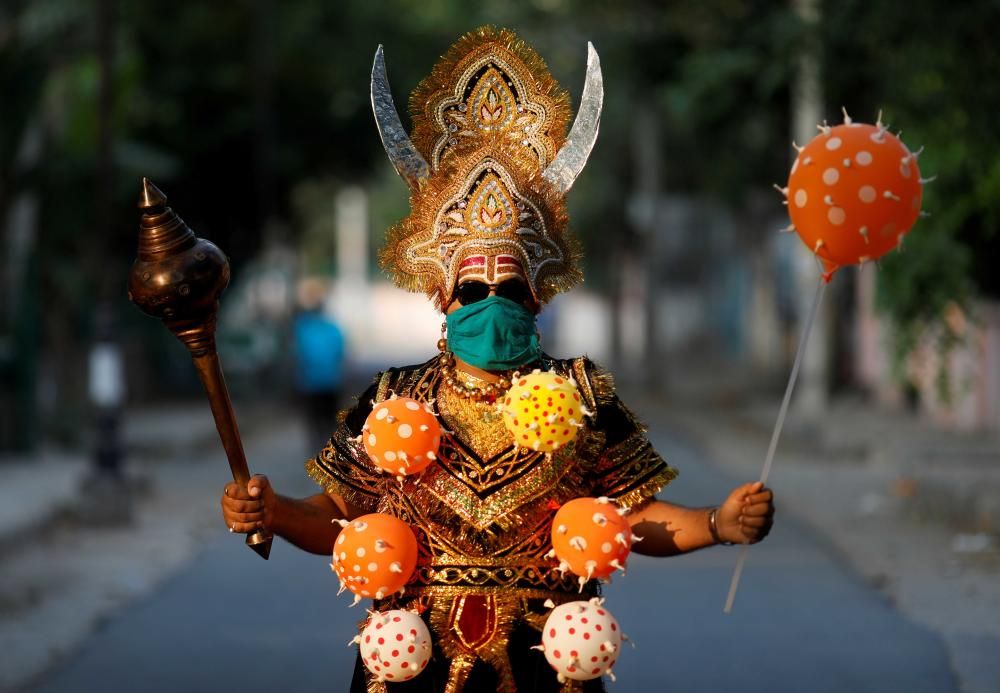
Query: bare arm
{"x":308,"y":523}
{"x":666,"y":529}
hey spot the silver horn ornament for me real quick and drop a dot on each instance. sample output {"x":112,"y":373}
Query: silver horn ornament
{"x":562,"y":172}
{"x":571,"y":159}
{"x":405,"y":158}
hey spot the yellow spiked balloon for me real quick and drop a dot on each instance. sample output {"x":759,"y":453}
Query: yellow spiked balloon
{"x":543,"y":411}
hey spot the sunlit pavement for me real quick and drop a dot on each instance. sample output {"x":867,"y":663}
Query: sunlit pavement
{"x":802,"y":622}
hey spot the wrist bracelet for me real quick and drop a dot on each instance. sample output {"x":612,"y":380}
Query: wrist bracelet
{"x":713,"y":528}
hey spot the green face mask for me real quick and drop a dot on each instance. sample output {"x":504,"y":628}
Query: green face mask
{"x":494,"y":334}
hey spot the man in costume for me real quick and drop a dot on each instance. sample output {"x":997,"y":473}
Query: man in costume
{"x":488,"y":164}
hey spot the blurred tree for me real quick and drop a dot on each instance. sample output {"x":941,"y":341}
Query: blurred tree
{"x":36,"y":40}
{"x":931,"y":68}
{"x":232,"y":107}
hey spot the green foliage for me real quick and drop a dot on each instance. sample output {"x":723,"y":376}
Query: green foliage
{"x":253,"y":111}
{"x":933,"y":71}
{"x":725,"y":95}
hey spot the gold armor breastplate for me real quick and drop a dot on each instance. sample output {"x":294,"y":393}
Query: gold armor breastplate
{"x":482,"y":513}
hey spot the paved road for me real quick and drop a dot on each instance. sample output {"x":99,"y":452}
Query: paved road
{"x":802,"y":622}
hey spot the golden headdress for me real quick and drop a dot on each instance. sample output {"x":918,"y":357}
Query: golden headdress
{"x":488,"y":165}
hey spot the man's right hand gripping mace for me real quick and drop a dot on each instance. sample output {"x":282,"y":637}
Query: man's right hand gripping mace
{"x":178,"y":278}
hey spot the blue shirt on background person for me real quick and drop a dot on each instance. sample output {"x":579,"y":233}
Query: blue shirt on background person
{"x":319,"y":352}
{"x":319,"y":370}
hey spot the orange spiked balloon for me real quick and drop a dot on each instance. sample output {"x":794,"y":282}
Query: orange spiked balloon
{"x":374,"y":555}
{"x":591,"y":537}
{"x":401,"y":436}
{"x":853,"y":192}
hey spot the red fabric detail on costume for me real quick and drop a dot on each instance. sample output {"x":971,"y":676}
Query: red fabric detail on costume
{"x":473,"y":619}
{"x":476,"y":620}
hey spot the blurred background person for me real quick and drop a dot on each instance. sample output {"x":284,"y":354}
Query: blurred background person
{"x":319,"y":352}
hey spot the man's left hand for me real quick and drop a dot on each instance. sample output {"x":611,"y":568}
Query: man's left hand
{"x":746,"y":516}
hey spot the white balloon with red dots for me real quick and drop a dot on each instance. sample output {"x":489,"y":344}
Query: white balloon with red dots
{"x":581,"y":640}
{"x":395,"y":645}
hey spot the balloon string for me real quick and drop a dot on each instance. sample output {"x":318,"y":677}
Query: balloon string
{"x":778,"y":425}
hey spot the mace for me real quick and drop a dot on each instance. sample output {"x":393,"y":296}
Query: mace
{"x":178,"y":278}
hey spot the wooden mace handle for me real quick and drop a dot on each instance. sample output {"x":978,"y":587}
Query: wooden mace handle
{"x":178,"y":278}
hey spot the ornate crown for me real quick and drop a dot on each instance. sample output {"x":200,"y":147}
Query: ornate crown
{"x":488,"y":166}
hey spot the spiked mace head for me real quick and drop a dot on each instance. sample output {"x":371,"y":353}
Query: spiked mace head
{"x":176,"y":276}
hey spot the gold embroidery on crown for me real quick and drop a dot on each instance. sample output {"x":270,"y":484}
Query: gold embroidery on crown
{"x":485,"y":213}
{"x":492,"y":102}
{"x":488,"y":120}
{"x":491,"y":209}
{"x":498,"y":103}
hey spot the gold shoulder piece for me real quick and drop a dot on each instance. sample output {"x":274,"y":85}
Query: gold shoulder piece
{"x":597,"y":385}
{"x":408,"y":381}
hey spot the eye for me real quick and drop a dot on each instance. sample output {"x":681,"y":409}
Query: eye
{"x":471,"y":292}
{"x":514,"y":290}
